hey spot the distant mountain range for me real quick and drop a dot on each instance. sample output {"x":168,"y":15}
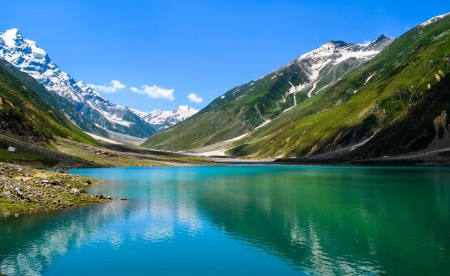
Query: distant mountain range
{"x":34,"y":61}
{"x":161,"y":120}
{"x":384,"y":98}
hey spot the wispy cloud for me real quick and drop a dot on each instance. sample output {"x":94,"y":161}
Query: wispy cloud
{"x":155,"y":92}
{"x":194,"y":98}
{"x":114,"y":87}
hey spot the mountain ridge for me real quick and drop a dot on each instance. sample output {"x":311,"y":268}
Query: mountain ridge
{"x":162,"y":119}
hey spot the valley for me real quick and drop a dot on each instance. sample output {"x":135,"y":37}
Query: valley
{"x":224,"y":138}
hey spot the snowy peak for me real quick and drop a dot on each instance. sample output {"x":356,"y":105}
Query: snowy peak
{"x":138,"y":113}
{"x":11,"y":38}
{"x":161,"y":119}
{"x":29,"y":58}
{"x":434,"y":19}
{"x":185,"y":109}
{"x":338,"y":43}
{"x":339,"y":51}
{"x":88,"y":91}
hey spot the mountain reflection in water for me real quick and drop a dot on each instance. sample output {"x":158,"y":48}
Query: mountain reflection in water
{"x":237,"y":220}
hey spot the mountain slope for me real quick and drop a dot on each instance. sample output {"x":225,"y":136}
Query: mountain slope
{"x":390,"y":105}
{"x":29,"y":58}
{"x":54,"y":100}
{"x":24,"y":115}
{"x":248,"y":106}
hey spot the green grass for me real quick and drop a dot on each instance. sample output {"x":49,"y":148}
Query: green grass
{"x":25,"y":156}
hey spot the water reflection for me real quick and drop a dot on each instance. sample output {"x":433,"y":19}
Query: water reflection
{"x":340,"y":221}
{"x":29,"y":243}
{"x":316,"y":220}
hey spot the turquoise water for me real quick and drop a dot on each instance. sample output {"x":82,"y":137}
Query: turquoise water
{"x":243,"y":220}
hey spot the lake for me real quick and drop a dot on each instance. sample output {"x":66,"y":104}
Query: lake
{"x":242,"y":220}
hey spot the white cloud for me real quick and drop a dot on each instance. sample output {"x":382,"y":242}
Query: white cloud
{"x":194,"y":98}
{"x":155,"y":92}
{"x":114,"y":87}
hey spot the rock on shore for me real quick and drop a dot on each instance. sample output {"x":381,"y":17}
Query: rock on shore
{"x":27,"y":190}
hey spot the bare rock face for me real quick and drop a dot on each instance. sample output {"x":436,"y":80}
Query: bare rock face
{"x":442,"y":138}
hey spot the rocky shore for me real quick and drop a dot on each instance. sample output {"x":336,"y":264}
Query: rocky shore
{"x":27,"y":190}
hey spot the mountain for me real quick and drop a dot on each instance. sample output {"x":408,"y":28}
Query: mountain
{"x":161,"y":120}
{"x":54,"y":100}
{"x":394,"y":104}
{"x":26,"y":117}
{"x":29,"y":58}
{"x":245,"y":107}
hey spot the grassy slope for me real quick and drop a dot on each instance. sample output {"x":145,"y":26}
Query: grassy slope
{"x":340,"y":117}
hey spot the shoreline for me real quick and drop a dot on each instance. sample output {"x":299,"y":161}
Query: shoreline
{"x":24,"y":189}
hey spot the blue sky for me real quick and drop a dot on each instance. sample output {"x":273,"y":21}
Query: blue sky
{"x":160,"y":52}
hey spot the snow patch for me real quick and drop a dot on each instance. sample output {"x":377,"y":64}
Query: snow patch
{"x":100,"y":138}
{"x":295,"y":89}
{"x":237,"y":138}
{"x":363,"y":142}
{"x":263,"y":124}
{"x":9,"y":37}
{"x":245,"y":134}
{"x":140,"y":114}
{"x":434,"y":19}
{"x":367,"y":80}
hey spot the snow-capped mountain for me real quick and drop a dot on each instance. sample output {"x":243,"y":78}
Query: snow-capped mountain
{"x":318,"y":63}
{"x":250,"y":106}
{"x":161,"y":120}
{"x":29,"y":58}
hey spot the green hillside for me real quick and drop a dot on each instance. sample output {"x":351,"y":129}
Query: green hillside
{"x":407,"y":91}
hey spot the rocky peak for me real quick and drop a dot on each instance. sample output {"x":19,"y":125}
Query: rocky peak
{"x":379,"y":44}
{"x":338,"y":43}
{"x":12,"y":38}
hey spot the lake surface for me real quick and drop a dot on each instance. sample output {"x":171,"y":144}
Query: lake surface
{"x":243,"y":220}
